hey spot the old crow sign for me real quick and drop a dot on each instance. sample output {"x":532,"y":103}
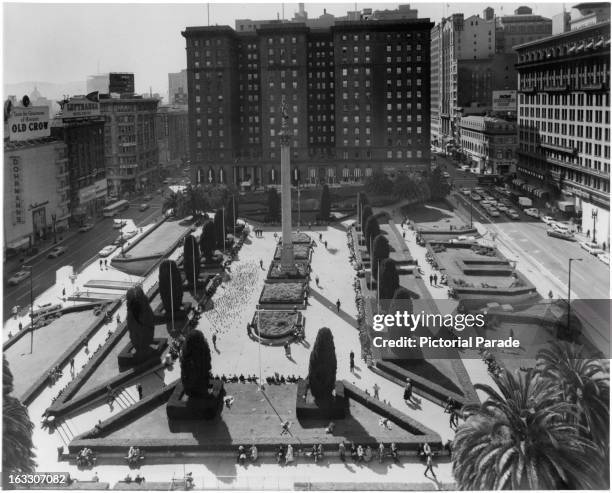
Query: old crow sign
{"x":29,"y":123}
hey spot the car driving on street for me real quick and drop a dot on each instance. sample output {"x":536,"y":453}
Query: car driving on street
{"x":107,"y":250}
{"x":56,"y":252}
{"x":18,"y":277}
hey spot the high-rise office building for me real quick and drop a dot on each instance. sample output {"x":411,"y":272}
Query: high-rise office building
{"x":177,"y":88}
{"x":357,"y":95}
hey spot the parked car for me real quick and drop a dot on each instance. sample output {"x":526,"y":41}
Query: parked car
{"x":512,"y":214}
{"x":56,"y":252}
{"x":86,"y":227}
{"x":593,"y":249}
{"x":119,"y":224}
{"x":465,"y":191}
{"x":465,"y":168}
{"x":533,"y":212}
{"x":547,"y":219}
{"x":130,"y":234}
{"x":107,"y":250}
{"x":559,"y":233}
{"x":144,"y":207}
{"x":494,"y":212}
{"x":147,"y":198}
{"x":120,"y":240}
{"x":476,"y":197}
{"x":445,"y":174}
{"x":18,"y":277}
{"x":604,"y":257}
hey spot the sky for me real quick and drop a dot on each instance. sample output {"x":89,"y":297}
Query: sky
{"x":66,"y":42}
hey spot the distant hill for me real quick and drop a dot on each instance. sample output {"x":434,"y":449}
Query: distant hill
{"x":50,"y":90}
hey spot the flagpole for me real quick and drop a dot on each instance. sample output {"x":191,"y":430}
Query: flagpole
{"x":259,"y":348}
{"x":378,"y":287}
{"x":171,"y":299}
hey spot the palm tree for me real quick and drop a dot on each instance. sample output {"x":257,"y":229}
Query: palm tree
{"x":583,"y":382}
{"x":172,"y":201}
{"x":17,"y":445}
{"x":519,"y":439}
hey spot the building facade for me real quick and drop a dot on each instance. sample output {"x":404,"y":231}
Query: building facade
{"x":564,"y":119}
{"x":490,"y":144}
{"x":84,"y":139}
{"x":177,"y":88}
{"x":36,"y":191}
{"x":130,"y":144}
{"x":357,"y":95}
{"x":471,"y":58}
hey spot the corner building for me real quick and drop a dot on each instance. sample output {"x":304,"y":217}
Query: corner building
{"x":357,"y":94}
{"x":564,"y":124}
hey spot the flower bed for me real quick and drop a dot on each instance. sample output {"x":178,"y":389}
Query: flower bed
{"x":275,"y":274}
{"x":283,"y":292}
{"x":275,"y":324}
{"x":301,"y":251}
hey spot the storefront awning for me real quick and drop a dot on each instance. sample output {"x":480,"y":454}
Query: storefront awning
{"x":15,"y":244}
{"x":566,"y":206}
{"x":518,"y":182}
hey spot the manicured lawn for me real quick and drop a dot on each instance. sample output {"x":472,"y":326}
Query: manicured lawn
{"x":276,"y":323}
{"x":283,"y":292}
{"x":301,"y":251}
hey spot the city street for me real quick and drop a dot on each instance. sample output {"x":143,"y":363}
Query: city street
{"x":81,"y":247}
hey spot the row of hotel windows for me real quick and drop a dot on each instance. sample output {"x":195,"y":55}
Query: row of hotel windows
{"x":558,"y":113}
{"x":565,"y":99}
{"x":580,"y":146}
{"x":569,"y":129}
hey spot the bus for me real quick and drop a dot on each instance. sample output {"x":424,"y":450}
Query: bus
{"x":113,"y":209}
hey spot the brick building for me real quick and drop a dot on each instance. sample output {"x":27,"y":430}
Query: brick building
{"x":357,"y":95}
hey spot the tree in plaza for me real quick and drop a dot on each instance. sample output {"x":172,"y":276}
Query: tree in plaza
{"x":219,"y":233}
{"x":17,"y":445}
{"x":323,"y":365}
{"x":231,"y":213}
{"x":438,"y":186}
{"x":380,"y":252}
{"x":195,"y":200}
{"x":195,"y":364}
{"x":405,"y":187}
{"x":170,"y":286}
{"x":273,"y":205}
{"x":372,"y":230}
{"x":174,"y":201}
{"x":140,"y":321}
{"x":378,"y":183}
{"x":208,"y":240}
{"x":191,"y":259}
{"x":583,"y":382}
{"x":389,"y":279}
{"x":365,"y":215}
{"x":325,"y":206}
{"x":519,"y":439}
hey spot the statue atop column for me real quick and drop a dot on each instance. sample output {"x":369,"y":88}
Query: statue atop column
{"x":287,"y":256}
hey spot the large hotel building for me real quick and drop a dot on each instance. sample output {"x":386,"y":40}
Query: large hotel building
{"x":564,"y":120}
{"x":357,"y":93}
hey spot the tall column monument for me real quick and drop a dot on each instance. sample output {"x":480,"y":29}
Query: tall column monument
{"x":287,"y":257}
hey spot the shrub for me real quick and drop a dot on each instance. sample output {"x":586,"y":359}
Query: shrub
{"x":378,"y":184}
{"x":389,"y":279}
{"x":208,"y":240}
{"x":219,"y":233}
{"x":365,"y":215}
{"x":195,"y":365}
{"x":323,"y":365}
{"x":273,"y":205}
{"x":380,"y":252}
{"x":325,"y":204}
{"x":191,"y":259}
{"x":170,"y":285}
{"x":372,"y":230}
{"x":140,"y":319}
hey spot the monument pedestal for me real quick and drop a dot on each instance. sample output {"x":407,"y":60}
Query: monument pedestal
{"x":128,"y":358}
{"x":182,"y":407}
{"x":307,"y":407}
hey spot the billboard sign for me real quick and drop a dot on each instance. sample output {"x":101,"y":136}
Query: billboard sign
{"x":504,"y":101}
{"x":18,"y":189}
{"x":80,"y":107}
{"x":29,"y":123}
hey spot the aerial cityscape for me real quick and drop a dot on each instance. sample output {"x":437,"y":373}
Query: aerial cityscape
{"x":306,"y":247}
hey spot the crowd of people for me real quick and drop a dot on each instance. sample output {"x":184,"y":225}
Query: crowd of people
{"x":135,"y":456}
{"x":85,"y":458}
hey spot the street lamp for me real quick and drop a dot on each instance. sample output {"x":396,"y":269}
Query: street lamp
{"x":569,"y":288}
{"x":594,"y":216}
{"x":29,"y":267}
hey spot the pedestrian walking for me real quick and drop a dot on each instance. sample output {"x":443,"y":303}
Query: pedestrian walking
{"x":100,"y":264}
{"x":338,"y":305}
{"x":20,"y":326}
{"x":64,"y":292}
{"x":325,"y":243}
{"x":435,"y":279}
{"x":118,"y":319}
{"x":72,"y":364}
{"x":288,"y":350}
{"x":404,"y":235}
{"x":139,"y":390}
{"x":214,"y":340}
{"x":261,"y":264}
{"x":317,"y":280}
{"x":342,"y":451}
{"x":430,"y":279}
{"x":408,"y":391}
{"x":352,"y":361}
{"x":376,"y":389}
{"x":106,"y":264}
{"x":429,"y":466}
{"x":320,"y":237}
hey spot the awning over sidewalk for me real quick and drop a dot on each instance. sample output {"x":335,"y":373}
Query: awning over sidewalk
{"x":538,"y":192}
{"x":518,"y":182}
{"x":21,"y":243}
